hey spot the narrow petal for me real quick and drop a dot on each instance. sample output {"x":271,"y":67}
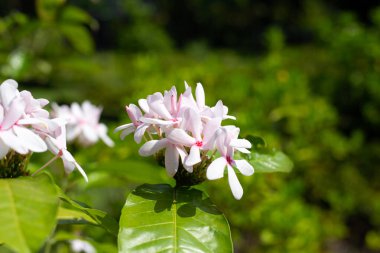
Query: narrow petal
{"x":8,"y":91}
{"x":244,"y":167}
{"x":102,"y":132}
{"x":218,"y":109}
{"x":140,"y":131}
{"x":183,"y":154}
{"x":69,"y":161}
{"x":240,"y":143}
{"x":171,"y":160}
{"x":200,"y":95}
{"x":127,"y":131}
{"x":194,"y":156}
{"x":216,"y":169}
{"x":144,"y":105}
{"x":243,"y":150}
{"x":30,"y":140}
{"x":234,"y":183}
{"x":194,"y":123}
{"x":152,"y":147}
{"x":180,"y":137}
{"x":156,"y":121}
{"x":123,"y":127}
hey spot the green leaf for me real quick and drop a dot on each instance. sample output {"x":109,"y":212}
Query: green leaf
{"x":28,"y":209}
{"x":91,"y":215}
{"x":70,"y":216}
{"x":160,"y":218}
{"x":270,"y":161}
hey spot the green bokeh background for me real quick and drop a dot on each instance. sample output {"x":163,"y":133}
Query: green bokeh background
{"x":304,"y":75}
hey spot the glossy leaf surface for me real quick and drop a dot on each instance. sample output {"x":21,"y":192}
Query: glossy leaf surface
{"x":264,"y":159}
{"x":28,"y":209}
{"x":160,"y":218}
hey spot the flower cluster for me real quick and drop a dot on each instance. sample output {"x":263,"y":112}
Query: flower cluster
{"x":190,"y":132}
{"x":83,"y":123}
{"x":26,"y":127}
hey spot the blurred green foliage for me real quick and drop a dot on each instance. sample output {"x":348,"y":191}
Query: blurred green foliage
{"x":318,"y":100}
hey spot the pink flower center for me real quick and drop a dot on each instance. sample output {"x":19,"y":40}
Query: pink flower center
{"x":199,"y":144}
{"x":229,"y":160}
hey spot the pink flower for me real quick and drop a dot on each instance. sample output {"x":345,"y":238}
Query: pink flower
{"x":190,"y":132}
{"x":83,"y":123}
{"x":226,"y":143}
{"x":26,"y":127}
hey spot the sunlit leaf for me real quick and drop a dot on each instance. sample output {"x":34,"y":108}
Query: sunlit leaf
{"x":270,"y":161}
{"x":28,"y":208}
{"x":160,"y":218}
{"x":264,"y":159}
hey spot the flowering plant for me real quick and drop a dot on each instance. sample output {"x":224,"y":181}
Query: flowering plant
{"x":26,"y":127}
{"x":191,"y":134}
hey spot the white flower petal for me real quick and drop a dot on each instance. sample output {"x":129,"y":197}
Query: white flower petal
{"x":140,"y":131}
{"x":14,"y":113}
{"x":90,"y":134}
{"x":244,"y":167}
{"x":8,"y":91}
{"x":183,"y":154}
{"x":102,"y":132}
{"x":243,"y":150}
{"x":156,"y":121}
{"x":1,"y":113}
{"x":210,"y":132}
{"x":134,"y":113}
{"x":194,"y":156}
{"x":144,"y":105}
{"x":152,"y":147}
{"x":3,"y":149}
{"x":180,"y":137}
{"x":171,"y":160}
{"x":234,"y":183}
{"x":218,"y":109}
{"x":127,"y":131}
{"x":216,"y":169}
{"x":30,"y":140}
{"x":194,"y":123}
{"x":69,"y":162}
{"x":11,"y":140}
{"x":123,"y":127}
{"x":156,"y":104}
{"x":240,"y":143}
{"x":200,"y":95}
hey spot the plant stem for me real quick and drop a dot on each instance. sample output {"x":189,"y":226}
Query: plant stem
{"x":44,"y":166}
